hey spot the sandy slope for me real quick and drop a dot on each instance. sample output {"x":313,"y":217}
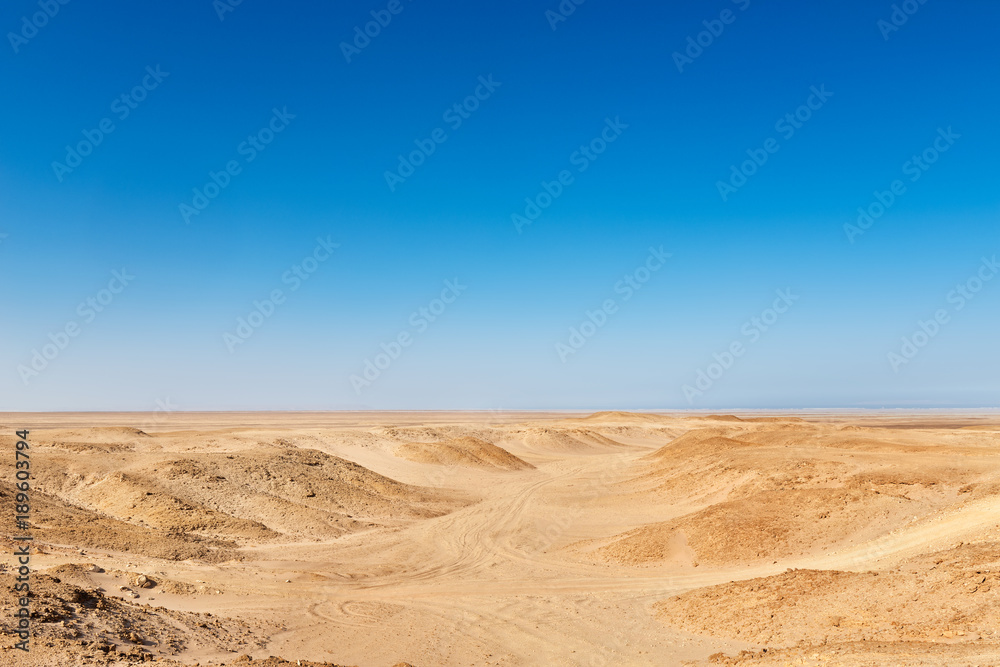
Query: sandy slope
{"x":514,"y":539}
{"x":463,"y":451}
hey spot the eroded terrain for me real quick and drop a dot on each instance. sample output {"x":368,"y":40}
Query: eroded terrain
{"x":374,"y":539}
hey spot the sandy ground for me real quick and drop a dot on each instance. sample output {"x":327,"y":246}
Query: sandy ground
{"x":379,"y":539}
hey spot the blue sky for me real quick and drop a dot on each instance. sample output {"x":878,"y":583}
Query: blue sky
{"x":598,"y":100}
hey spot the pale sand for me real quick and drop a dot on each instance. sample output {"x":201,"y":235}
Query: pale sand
{"x":371,"y":539}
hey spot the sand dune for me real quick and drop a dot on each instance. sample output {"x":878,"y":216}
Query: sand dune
{"x":885,"y":605}
{"x":466,"y":451}
{"x":618,"y":416}
{"x":551,"y":440}
{"x":767,"y":525}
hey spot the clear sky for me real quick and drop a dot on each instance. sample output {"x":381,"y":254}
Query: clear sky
{"x":589,"y":202}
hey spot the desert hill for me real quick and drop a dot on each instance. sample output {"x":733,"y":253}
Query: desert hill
{"x":465,"y":451}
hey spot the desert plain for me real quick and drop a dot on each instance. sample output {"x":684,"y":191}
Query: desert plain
{"x":508,"y":538}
